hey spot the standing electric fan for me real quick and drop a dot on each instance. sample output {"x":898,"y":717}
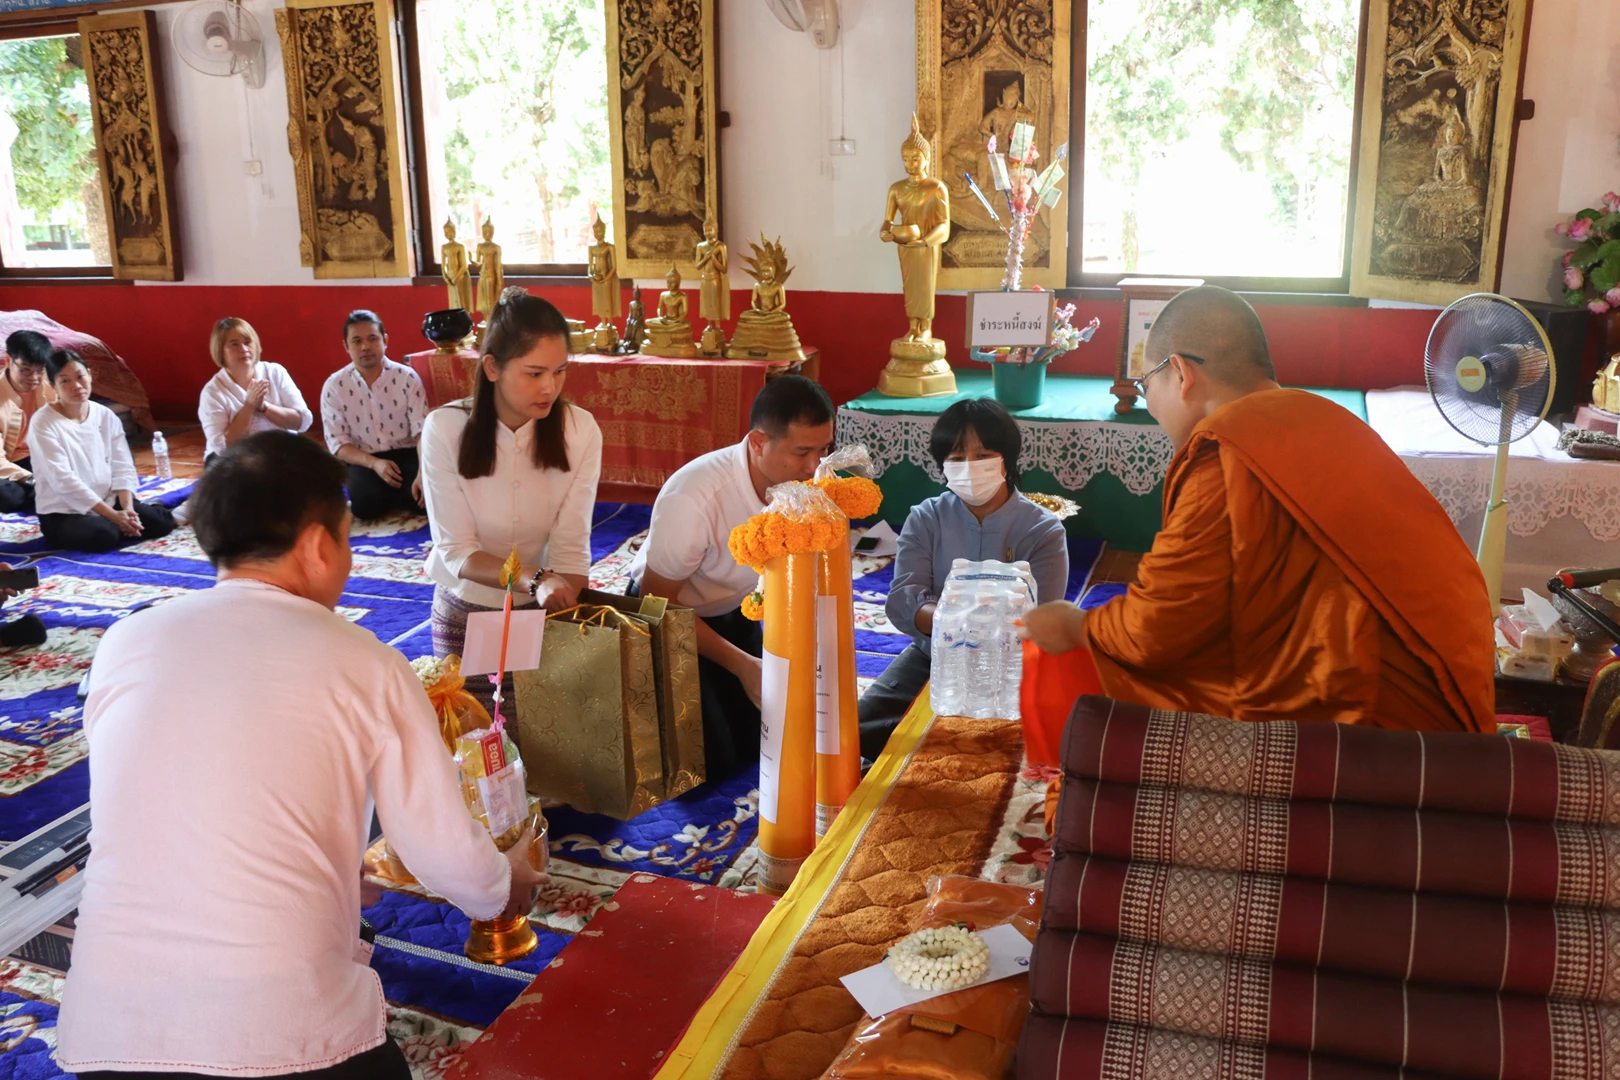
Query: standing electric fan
{"x":1489,"y":367}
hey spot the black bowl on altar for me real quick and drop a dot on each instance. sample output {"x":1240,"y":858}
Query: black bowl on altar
{"x":448,"y":328}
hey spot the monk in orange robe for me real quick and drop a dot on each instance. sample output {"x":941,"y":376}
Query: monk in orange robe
{"x":1302,"y":572}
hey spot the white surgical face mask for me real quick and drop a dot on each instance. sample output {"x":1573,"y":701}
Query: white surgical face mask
{"x":975,"y":482}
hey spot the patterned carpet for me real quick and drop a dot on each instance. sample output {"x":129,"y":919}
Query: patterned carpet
{"x":438,"y":999}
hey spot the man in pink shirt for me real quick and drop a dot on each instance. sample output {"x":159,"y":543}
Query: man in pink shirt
{"x":238,"y":738}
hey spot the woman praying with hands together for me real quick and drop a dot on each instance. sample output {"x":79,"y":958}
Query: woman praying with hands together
{"x":249,"y":394}
{"x":513,"y":467}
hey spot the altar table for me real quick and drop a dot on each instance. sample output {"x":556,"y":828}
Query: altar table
{"x":1562,"y":511}
{"x":1113,"y":465}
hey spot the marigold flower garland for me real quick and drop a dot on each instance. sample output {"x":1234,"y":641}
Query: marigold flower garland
{"x":940,"y":958}
{"x":857,"y":496}
{"x":771,"y":533}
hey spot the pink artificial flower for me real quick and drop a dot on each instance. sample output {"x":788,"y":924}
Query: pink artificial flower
{"x":1573,"y":278}
{"x":1611,"y":201}
{"x":1562,"y":228}
{"x":1580,"y":229}
{"x":1597,"y":307}
{"x":1613,"y":296}
{"x":1568,"y":255}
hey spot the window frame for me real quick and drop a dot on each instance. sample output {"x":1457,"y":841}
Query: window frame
{"x":34,"y":25}
{"x":428,"y":268}
{"x":1078,"y":277}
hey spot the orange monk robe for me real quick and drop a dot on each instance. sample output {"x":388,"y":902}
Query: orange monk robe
{"x":1302,"y":573}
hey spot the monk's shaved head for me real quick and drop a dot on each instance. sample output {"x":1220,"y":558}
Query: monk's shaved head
{"x":1218,"y":326}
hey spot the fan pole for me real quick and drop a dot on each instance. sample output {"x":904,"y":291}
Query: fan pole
{"x":1493,"y":535}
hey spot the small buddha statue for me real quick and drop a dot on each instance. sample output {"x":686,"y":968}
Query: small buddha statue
{"x":1606,"y":387}
{"x":454,"y":267}
{"x":714,"y":299}
{"x":917,"y":220}
{"x":635,"y":325}
{"x":603,"y":270}
{"x":764,"y":331}
{"x":491,"y":278}
{"x":670,"y":334}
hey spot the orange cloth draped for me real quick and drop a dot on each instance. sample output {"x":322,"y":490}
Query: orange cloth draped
{"x":1302,"y":573}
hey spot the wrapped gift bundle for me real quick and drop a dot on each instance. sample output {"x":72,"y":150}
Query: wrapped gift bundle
{"x":675,"y":671}
{"x":587,"y":718}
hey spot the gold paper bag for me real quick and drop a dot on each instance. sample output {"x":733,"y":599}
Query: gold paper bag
{"x":675,"y":666}
{"x":587,"y":719}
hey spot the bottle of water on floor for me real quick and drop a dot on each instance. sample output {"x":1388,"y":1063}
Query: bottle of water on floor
{"x":948,"y":652}
{"x":160,"y":457}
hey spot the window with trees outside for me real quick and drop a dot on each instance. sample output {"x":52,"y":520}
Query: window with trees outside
{"x":1219,"y":137}
{"x":51,"y":214}
{"x":513,"y":126}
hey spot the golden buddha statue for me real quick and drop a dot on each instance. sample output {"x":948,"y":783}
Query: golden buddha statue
{"x":603,"y":270}
{"x":491,"y":278}
{"x":714,"y":298}
{"x":917,"y":220}
{"x":453,"y":267}
{"x":670,"y":334}
{"x":1606,"y":388}
{"x":764,"y":331}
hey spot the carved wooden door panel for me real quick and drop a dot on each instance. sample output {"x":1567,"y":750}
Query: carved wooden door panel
{"x":134,"y":146}
{"x":345,"y":136}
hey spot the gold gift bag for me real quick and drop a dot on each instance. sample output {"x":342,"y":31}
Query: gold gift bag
{"x":587,"y":719}
{"x":675,"y":666}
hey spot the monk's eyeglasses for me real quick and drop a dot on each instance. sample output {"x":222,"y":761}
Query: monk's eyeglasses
{"x":1141,"y":382}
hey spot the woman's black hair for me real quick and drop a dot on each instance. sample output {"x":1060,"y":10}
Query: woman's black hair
{"x":60,"y":359}
{"x":997,"y":430}
{"x":517,"y":323}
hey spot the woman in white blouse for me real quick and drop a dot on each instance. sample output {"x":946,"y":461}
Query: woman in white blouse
{"x":513,"y":467}
{"x":248,"y":394}
{"x":84,"y":477}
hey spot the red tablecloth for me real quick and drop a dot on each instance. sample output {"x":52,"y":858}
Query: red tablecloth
{"x":657,"y":414}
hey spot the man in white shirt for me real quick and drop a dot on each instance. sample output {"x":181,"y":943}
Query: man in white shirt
{"x":687,"y":557}
{"x":372,"y":413}
{"x":238,"y":737}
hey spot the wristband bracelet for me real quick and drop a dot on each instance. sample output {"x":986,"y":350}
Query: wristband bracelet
{"x":534,"y":582}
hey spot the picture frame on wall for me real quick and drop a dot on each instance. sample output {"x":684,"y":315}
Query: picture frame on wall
{"x":1141,"y":300}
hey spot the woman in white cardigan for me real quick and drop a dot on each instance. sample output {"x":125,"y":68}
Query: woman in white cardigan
{"x":513,"y":467}
{"x":248,"y":394}
{"x":84,"y":477}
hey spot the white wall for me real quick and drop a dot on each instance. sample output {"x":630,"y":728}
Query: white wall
{"x":1569,"y":155}
{"x":783,"y":95}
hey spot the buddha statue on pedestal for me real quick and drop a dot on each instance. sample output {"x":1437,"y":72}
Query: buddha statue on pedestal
{"x":917,"y":220}
{"x":603,"y":270}
{"x":635,"y":325}
{"x":670,"y":334}
{"x":714,"y":298}
{"x":764,"y":331}
{"x":455,"y":268}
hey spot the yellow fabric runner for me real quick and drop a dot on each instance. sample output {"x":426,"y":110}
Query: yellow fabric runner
{"x":709,"y":1038}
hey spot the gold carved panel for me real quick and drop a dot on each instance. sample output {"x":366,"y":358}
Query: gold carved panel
{"x":344,"y":133}
{"x":983,"y":65}
{"x":665,"y":143}
{"x":133,"y":144}
{"x":1436,"y":138}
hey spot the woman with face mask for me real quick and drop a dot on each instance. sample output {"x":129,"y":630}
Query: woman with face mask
{"x":981,"y":516}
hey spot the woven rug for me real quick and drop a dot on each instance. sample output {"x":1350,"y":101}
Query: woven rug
{"x":438,"y":999}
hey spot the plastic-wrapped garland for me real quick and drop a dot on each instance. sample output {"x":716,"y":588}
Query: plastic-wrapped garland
{"x":799,"y":518}
{"x":940,"y":958}
{"x":857,"y":496}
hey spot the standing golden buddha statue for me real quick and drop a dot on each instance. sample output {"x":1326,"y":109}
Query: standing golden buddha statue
{"x":454,"y":268}
{"x":670,"y":334}
{"x":491,"y":278}
{"x":603,"y":270}
{"x":917,"y":220}
{"x":714,"y":297}
{"x":765,"y":331}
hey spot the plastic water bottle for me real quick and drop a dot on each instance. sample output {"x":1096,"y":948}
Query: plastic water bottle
{"x":985,"y":631}
{"x":948,"y":654}
{"x":1012,"y":660}
{"x":160,"y":457}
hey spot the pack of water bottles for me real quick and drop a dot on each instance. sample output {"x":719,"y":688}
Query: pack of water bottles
{"x":977,"y":655}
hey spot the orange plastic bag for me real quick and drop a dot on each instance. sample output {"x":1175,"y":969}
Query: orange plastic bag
{"x":1046,"y":697}
{"x":458,"y":711}
{"x":990,"y":1017}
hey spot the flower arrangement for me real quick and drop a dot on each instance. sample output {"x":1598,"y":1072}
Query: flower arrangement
{"x":857,"y":496}
{"x":1592,"y":270}
{"x":458,"y":711}
{"x":801,"y":518}
{"x":1026,"y":191}
{"x":1066,"y":337}
{"x":766,"y":536}
{"x":753,"y":605}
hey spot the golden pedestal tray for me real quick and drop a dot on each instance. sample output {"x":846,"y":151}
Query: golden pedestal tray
{"x":501,"y":941}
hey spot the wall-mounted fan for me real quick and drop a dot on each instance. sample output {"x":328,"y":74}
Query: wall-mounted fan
{"x":818,"y":18}
{"x":217,"y":37}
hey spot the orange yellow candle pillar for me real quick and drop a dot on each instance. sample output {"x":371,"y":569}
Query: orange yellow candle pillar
{"x":787,"y":737}
{"x":838,"y":733}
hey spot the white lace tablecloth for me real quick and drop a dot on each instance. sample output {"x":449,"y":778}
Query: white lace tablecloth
{"x":1073,"y":451}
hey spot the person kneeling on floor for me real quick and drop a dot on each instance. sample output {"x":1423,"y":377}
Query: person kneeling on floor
{"x":238,"y":736}
{"x":84,"y":477}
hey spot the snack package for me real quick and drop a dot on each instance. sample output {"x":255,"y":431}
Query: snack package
{"x":983,"y":1022}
